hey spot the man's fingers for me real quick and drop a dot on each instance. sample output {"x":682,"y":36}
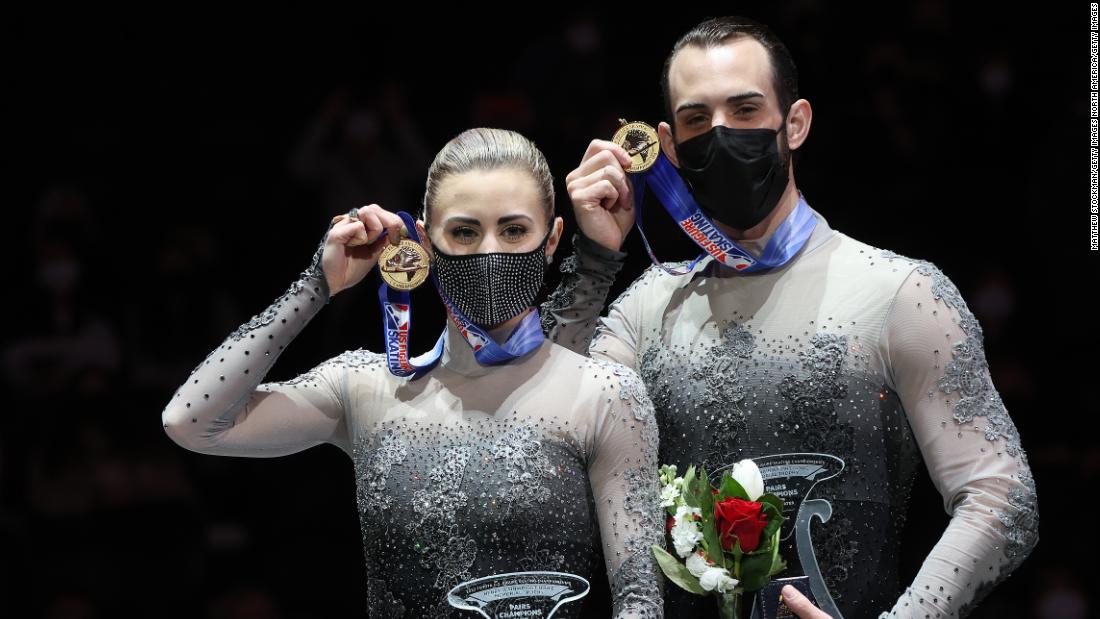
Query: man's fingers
{"x":801,"y":605}
{"x":595,"y":147}
{"x":617,"y":177}
{"x":602,"y":194}
{"x":601,"y":159}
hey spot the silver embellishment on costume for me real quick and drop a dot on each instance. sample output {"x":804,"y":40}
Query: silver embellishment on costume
{"x":813,"y":416}
{"x":563,"y":296}
{"x":527,"y":467}
{"x":374,"y":468}
{"x":968,"y":375}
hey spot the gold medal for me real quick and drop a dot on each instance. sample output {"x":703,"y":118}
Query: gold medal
{"x":640,"y":141}
{"x":404,"y":266}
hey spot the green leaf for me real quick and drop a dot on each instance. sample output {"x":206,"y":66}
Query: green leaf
{"x":731,"y":488}
{"x":778,"y":565}
{"x":714,"y":546}
{"x":710,"y":530}
{"x":690,"y":491}
{"x":770,"y":501}
{"x":772,"y":508}
{"x":677,"y":572}
{"x":772,"y":527}
{"x":755,"y":570}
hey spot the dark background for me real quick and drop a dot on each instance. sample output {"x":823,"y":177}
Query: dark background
{"x":188,"y":163}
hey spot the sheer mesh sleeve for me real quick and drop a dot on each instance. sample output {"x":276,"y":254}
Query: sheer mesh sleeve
{"x":932,"y":347}
{"x":622,"y":470}
{"x":222,"y":409}
{"x":619,"y":335}
{"x":570,"y":312}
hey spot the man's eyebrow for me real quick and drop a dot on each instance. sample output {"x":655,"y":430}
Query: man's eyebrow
{"x":752,"y":94}
{"x":693,"y":105}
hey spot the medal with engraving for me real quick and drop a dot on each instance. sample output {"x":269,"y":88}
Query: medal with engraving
{"x":404,"y":266}
{"x":639,"y":140}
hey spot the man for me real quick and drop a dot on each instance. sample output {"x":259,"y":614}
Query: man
{"x":835,"y":347}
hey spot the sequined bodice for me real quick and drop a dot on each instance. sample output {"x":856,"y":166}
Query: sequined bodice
{"x":447,"y":502}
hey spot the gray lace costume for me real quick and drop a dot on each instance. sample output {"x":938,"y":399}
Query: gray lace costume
{"x":545,"y":463}
{"x":847,"y":350}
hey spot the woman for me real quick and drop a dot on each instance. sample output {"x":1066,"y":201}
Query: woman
{"x":469,"y":469}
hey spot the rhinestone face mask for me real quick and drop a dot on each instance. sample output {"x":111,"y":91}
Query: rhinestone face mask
{"x":494,"y":287}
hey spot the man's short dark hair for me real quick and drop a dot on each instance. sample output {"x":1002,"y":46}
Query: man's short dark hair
{"x":719,"y":30}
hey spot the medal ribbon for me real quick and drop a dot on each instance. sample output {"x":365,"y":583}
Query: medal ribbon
{"x":677,"y":200}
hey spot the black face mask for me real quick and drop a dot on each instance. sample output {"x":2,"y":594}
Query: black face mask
{"x":736,"y":175}
{"x":492,"y":288}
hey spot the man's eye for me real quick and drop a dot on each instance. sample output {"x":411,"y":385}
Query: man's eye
{"x":514,"y":233}
{"x":695,"y":120}
{"x":746,"y":110}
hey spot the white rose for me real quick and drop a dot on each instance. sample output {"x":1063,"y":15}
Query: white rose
{"x":696,"y":564}
{"x":686,"y":533}
{"x":717,"y":579}
{"x":747,"y":474}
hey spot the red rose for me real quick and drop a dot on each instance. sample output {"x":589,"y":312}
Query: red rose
{"x":669,"y":523}
{"x":738,"y":519}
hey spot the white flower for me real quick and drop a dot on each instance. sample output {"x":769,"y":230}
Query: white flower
{"x":686,"y":533}
{"x":717,"y":579}
{"x":697,"y":564}
{"x":683,"y":511}
{"x":747,"y":474}
{"x":671,"y":492}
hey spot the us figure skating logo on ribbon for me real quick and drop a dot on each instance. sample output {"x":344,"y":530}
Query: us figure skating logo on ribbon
{"x":397,"y":337}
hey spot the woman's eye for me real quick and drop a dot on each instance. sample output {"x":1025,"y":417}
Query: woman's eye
{"x":463,"y":235}
{"x":514,"y":233}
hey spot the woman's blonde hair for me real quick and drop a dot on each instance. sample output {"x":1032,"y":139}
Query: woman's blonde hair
{"x":489,"y":149}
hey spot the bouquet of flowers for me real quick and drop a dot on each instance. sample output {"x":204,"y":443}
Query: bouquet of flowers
{"x":726,"y":537}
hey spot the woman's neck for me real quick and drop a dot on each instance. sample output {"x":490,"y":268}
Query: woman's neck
{"x":500,"y":332}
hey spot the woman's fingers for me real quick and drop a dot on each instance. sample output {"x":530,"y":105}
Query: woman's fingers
{"x":392,"y":223}
{"x":348,"y":232}
{"x":376,"y":219}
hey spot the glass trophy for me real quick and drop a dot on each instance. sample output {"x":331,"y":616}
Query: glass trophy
{"x":518,"y":595}
{"x":792,"y":477}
